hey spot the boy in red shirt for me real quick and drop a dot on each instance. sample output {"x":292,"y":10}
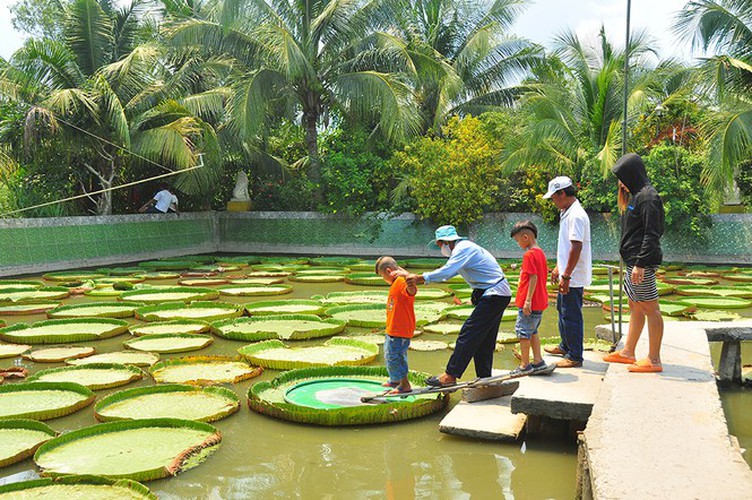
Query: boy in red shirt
{"x":532,"y":297}
{"x":400,"y":322}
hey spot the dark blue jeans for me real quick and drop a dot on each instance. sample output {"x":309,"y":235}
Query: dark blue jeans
{"x":571,"y":327}
{"x":477,"y":338}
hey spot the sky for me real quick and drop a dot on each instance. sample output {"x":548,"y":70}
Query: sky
{"x":542,"y":20}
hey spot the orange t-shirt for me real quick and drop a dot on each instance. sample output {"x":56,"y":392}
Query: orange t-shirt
{"x":400,"y":310}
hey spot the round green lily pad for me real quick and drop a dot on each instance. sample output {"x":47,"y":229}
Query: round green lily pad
{"x":683,"y":280}
{"x":29,"y":284}
{"x":365,"y":279}
{"x":443,"y":328}
{"x":170,"y":342}
{"x":275,"y":268}
{"x":203,"y":404}
{"x":289,"y":261}
{"x":334,"y":261}
{"x":428,"y":345}
{"x":458,"y":312}
{"x":95,"y":376}
{"x":121,"y":271}
{"x":46,"y":293}
{"x":72,"y":276}
{"x":168,"y":265}
{"x":76,"y":487}
{"x":715,"y":302}
{"x":161,"y":275}
{"x":425,"y":293}
{"x":714,"y":291}
{"x":461,"y":290}
{"x":741,"y":278}
{"x":716,"y":316}
{"x":424,"y":263}
{"x":670,"y":308}
{"x":111,"y":280}
{"x":105,"y":291}
{"x":339,"y":404}
{"x":19,"y":439}
{"x":359,"y":297}
{"x":13,"y":350}
{"x":119,"y":357}
{"x":373,"y":338}
{"x":60,"y":331}
{"x":172,"y":294}
{"x":174,"y":327}
{"x":367,"y":316}
{"x":146,"y":449}
{"x":336,"y":271}
{"x":96,"y":310}
{"x":283,"y":326}
{"x":263,"y":274}
{"x":58,"y":354}
{"x":203,"y":370}
{"x":338,"y":351}
{"x":317,"y":278}
{"x":26,"y":309}
{"x":43,"y":400}
{"x":429,"y":312}
{"x":204,"y":311}
{"x":253,"y":290}
{"x":291,"y":306}
{"x":202,"y":281}
{"x":255,"y":281}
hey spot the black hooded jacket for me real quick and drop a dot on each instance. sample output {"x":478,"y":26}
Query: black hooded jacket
{"x":643,"y":222}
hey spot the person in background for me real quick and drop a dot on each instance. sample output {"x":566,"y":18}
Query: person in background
{"x":573,"y":271}
{"x":161,"y":202}
{"x":491,"y":295}
{"x":642,"y":227}
{"x":400,"y":323}
{"x":174,"y":205}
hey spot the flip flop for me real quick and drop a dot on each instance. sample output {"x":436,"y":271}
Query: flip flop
{"x":645,"y":366}
{"x":397,"y":390}
{"x":435,"y":381}
{"x":618,"y":357}
{"x":390,"y":384}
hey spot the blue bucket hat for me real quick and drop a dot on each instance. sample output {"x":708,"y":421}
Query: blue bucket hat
{"x":445,"y":233}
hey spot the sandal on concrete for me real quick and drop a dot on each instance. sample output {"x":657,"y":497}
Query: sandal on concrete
{"x":618,"y":357}
{"x":645,"y":366}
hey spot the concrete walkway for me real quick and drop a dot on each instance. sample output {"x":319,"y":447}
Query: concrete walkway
{"x":663,"y":435}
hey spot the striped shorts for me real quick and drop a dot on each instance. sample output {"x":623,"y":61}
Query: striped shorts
{"x":645,"y":291}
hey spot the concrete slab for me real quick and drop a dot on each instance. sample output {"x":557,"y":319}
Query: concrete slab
{"x":474,"y":394}
{"x":663,"y":435}
{"x":568,"y":394}
{"x":491,"y":419}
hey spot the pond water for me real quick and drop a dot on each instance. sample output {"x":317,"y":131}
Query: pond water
{"x":264,"y":457}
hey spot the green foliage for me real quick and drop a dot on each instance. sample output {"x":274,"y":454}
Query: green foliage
{"x":290,"y":193}
{"x":38,"y":17}
{"x":744,"y":183}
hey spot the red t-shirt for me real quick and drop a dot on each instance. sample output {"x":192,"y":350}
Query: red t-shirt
{"x":533,"y":262}
{"x":400,"y":310}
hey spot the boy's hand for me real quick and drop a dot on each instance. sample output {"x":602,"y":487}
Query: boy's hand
{"x":526,"y":309}
{"x":412,"y":280}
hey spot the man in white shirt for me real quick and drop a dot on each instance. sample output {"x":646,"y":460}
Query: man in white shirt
{"x":161,"y":202}
{"x":573,"y":271}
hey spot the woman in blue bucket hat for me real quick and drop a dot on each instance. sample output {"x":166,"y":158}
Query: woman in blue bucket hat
{"x":491,"y":295}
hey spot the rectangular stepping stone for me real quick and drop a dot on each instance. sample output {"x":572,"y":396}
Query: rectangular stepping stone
{"x":491,"y":419}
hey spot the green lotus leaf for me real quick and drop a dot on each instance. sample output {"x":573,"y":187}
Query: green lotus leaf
{"x":174,"y":327}
{"x":290,"y":306}
{"x":334,"y":261}
{"x":714,"y":291}
{"x":317,"y":278}
{"x":360,"y":297}
{"x":168,"y":265}
{"x":72,"y":276}
{"x":365,"y":279}
{"x":111,"y":280}
{"x":203,"y":404}
{"x":203,"y":370}
{"x":462,"y":291}
{"x":253,"y":290}
{"x":428,"y":345}
{"x":74,"y":487}
{"x":121,"y":271}
{"x":323,"y":270}
{"x":507,"y":338}
{"x":105,"y":291}
{"x":429,"y":312}
{"x":21,"y":283}
{"x":169,"y":343}
{"x":30,"y":308}
{"x":59,"y":331}
{"x":161,"y":275}
{"x":148,"y":449}
{"x":425,"y":263}
{"x":45,"y":293}
{"x":362,"y":265}
{"x":204,"y":311}
{"x":367,"y":316}
{"x":214,"y":268}
{"x":43,"y":400}
{"x":714,"y":302}
{"x":95,"y":376}
{"x":299,"y":261}
{"x":674,"y":308}
{"x":588,"y":344}
{"x":58,"y":354}
{"x":443,"y":328}
{"x":701,"y":273}
{"x":19,"y":439}
{"x":741,"y":278}
{"x":255,"y":281}
{"x":96,"y":310}
{"x":13,"y":350}
{"x":202,"y":281}
{"x":683,"y":280}
{"x":119,"y":357}
{"x":171,"y":294}
{"x":283,"y":326}
{"x":268,"y":398}
{"x":716,"y":316}
{"x":463,"y":312}
{"x":277,"y":268}
{"x":18,"y":287}
{"x":338,"y":351}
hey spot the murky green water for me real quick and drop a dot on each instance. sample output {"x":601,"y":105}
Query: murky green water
{"x":264,"y":457}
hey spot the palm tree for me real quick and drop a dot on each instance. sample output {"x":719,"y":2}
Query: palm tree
{"x":101,"y":90}
{"x":307,"y":61}
{"x":724,"y":27}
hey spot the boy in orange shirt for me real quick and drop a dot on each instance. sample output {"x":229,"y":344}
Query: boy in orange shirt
{"x":400,"y":322}
{"x":532,"y":297}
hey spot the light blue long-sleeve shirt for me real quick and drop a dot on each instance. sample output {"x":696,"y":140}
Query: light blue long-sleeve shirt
{"x":476,"y":265}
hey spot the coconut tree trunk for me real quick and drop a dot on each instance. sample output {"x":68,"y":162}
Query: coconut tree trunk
{"x":310,"y":120}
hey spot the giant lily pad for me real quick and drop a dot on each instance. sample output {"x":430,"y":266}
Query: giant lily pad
{"x":315,"y":404}
{"x":366,"y":279}
{"x":59,"y":331}
{"x":111,"y":280}
{"x":146,"y":449}
{"x":43,"y":400}
{"x":168,"y":265}
{"x":443,"y":328}
{"x":119,"y":357}
{"x":96,"y":310}
{"x":121,"y":271}
{"x":57,"y":354}
{"x":68,"y":276}
{"x":28,"y":284}
{"x":671,"y":308}
{"x":204,"y":404}
{"x":715,"y":302}
{"x":104,"y":291}
{"x":334,"y":261}
{"x":26,"y":308}
{"x":716,"y":316}
{"x":741,"y":278}
{"x":161,"y":275}
{"x":95,"y":376}
{"x":76,"y":487}
{"x":360,"y":297}
{"x":20,"y":438}
{"x":202,"y":281}
{"x":172,"y":294}
{"x":204,"y":311}
{"x":170,"y":342}
{"x":330,"y":271}
{"x":428,"y":345}
{"x":46,"y":293}
{"x":284,"y":326}
{"x":253,"y":290}
{"x":263,"y":274}
{"x":255,"y":281}
{"x":338,"y":351}
{"x":203,"y":370}
{"x":683,"y":280}
{"x":429,"y":312}
{"x":317,"y":278}
{"x":13,"y":350}
{"x":367,"y":316}
{"x":174,"y":327}
{"x":714,"y":291}
{"x":292,"y":306}
{"x":464,"y":312}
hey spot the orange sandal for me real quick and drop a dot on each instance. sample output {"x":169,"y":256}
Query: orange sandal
{"x":618,"y":357}
{"x":645,"y":366}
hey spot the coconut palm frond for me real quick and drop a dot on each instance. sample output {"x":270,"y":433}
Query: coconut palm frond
{"x":88,"y":32}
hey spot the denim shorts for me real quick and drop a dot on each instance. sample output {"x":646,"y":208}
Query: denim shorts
{"x":527,"y":326}
{"x":395,"y":353}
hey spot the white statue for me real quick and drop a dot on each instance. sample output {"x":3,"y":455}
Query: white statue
{"x":240,"y":193}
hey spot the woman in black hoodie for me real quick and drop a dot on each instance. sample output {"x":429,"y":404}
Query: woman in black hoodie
{"x":642,"y":228}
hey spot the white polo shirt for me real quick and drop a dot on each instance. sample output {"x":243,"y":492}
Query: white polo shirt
{"x":164,"y":198}
{"x":575,"y":226}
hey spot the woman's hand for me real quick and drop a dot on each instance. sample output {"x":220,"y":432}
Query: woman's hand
{"x":638,"y":275}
